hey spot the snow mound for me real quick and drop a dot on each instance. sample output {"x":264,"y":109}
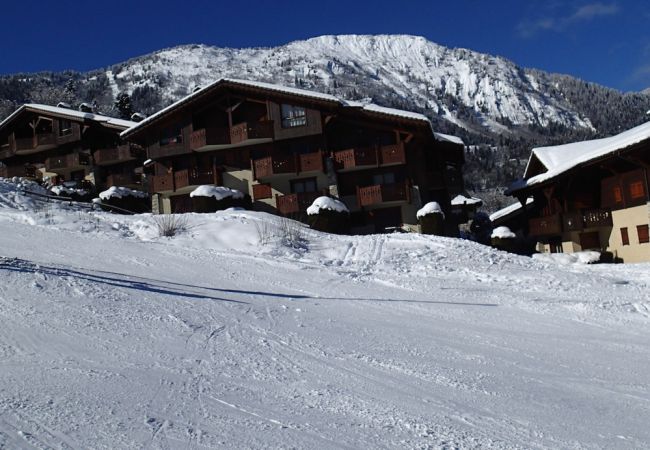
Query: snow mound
{"x":218,"y":192}
{"x":327,"y":203}
{"x":503,"y":233}
{"x":63,"y":190}
{"x":586,"y":257}
{"x":461,"y":200}
{"x":13,"y":193}
{"x":430,"y":208}
{"x":121,"y":192}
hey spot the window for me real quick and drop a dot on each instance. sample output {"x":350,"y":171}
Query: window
{"x":590,"y":240}
{"x":636,"y":190}
{"x":65,"y":127}
{"x":293,"y":116}
{"x":624,"y":236}
{"x":618,"y":194}
{"x":642,"y":232}
{"x":303,"y":185}
{"x":383,"y":178}
{"x":555,"y":246}
{"x":171,"y":136}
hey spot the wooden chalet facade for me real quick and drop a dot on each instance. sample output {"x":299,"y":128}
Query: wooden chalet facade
{"x":591,"y":195}
{"x":65,"y":145}
{"x":284,"y":147}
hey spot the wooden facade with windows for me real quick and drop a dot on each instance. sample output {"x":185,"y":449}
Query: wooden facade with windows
{"x":284,"y":147}
{"x":65,"y":145}
{"x":600,"y":202}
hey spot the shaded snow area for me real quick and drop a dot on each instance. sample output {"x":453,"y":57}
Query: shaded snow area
{"x":226,"y":336}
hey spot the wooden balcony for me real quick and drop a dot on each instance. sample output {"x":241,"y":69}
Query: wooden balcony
{"x":311,"y":162}
{"x":17,"y":171}
{"x":572,"y":221}
{"x":392,"y":154}
{"x":72,"y":134}
{"x":545,"y":226}
{"x":294,"y":203}
{"x":597,"y":218}
{"x":205,"y":137}
{"x":157,"y":151}
{"x":274,"y":165}
{"x":23,"y":144}
{"x":6,"y":151}
{"x":356,"y":157}
{"x":161,"y":183}
{"x":251,"y":130}
{"x":379,"y":155}
{"x":113,"y":155}
{"x":70,"y":161}
{"x":261,"y":191}
{"x":383,"y":193}
{"x":181,"y":179}
{"x":124,"y":179}
{"x":45,"y":140}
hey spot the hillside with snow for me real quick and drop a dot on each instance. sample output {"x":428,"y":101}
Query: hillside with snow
{"x":238,"y":334}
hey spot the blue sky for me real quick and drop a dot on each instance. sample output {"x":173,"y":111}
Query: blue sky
{"x":607,"y":42}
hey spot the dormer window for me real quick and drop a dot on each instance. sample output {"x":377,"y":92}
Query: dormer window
{"x":293,"y":116}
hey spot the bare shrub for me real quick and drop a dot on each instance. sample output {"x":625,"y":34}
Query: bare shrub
{"x":170,"y":225}
{"x":291,"y":233}
{"x":264,"y":232}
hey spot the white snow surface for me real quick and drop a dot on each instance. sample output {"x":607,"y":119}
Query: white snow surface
{"x":584,"y":257}
{"x":328,"y":203}
{"x":509,"y":209}
{"x":503,"y":233}
{"x":121,"y":192}
{"x":231,"y":335}
{"x":430,"y":208}
{"x":218,"y":192}
{"x":64,"y":190}
{"x":561,"y":158}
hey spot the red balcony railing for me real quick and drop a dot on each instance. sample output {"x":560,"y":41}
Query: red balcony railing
{"x":311,"y":162}
{"x":293,"y":203}
{"x":545,"y":226}
{"x":392,"y":154}
{"x":274,"y":165}
{"x":160,"y":183}
{"x":123,"y":179}
{"x":251,"y":130}
{"x":597,"y":218}
{"x":383,"y":193}
{"x":70,"y":161}
{"x":355,"y":157}
{"x":113,"y":155}
{"x":209,"y":136}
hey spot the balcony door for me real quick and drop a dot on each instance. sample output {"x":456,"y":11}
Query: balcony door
{"x":303,"y":186}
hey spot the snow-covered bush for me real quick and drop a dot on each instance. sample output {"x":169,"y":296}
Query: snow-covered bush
{"x":432,"y":219}
{"x":504,"y":239}
{"x":124,"y":199}
{"x":209,"y":198}
{"x":169,"y":225}
{"x":78,"y":195}
{"x":329,"y":215}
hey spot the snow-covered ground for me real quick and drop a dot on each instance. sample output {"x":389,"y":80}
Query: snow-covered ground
{"x":247,"y":331}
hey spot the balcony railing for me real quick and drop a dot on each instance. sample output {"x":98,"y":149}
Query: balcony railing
{"x":293,"y":203}
{"x":545,"y":226}
{"x":274,"y":165}
{"x":597,"y":218}
{"x":383,"y":193}
{"x":209,"y":136}
{"x":277,"y":165}
{"x":251,"y":130}
{"x":113,"y":155}
{"x":371,"y":156}
{"x":392,"y":154}
{"x":17,"y":171}
{"x":44,"y":139}
{"x":24,"y":144}
{"x":355,"y":157}
{"x":572,"y":221}
{"x":7,"y":151}
{"x":70,"y":161}
{"x":123,"y":179}
{"x":160,"y":183}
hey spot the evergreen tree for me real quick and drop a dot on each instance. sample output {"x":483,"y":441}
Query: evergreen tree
{"x":123,"y":105}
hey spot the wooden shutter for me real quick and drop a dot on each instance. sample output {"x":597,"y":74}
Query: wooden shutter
{"x":624,"y":236}
{"x":634,"y":188}
{"x":642,"y":232}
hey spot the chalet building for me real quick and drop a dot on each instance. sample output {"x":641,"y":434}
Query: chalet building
{"x":284,"y":147}
{"x":65,"y":145}
{"x":591,"y":195}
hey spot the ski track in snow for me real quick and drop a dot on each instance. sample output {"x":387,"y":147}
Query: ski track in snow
{"x":113,"y":338}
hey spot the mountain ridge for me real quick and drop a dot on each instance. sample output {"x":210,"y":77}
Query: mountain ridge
{"x":495,"y":105}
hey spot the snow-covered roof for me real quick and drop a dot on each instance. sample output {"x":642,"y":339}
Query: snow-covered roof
{"x":461,"y":200}
{"x":71,"y":113}
{"x":503,"y":233}
{"x":509,"y":210}
{"x":364,"y":106}
{"x":561,"y":158}
{"x":448,"y":138}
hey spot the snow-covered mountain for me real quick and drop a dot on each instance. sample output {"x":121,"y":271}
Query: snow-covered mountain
{"x":487,"y":100}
